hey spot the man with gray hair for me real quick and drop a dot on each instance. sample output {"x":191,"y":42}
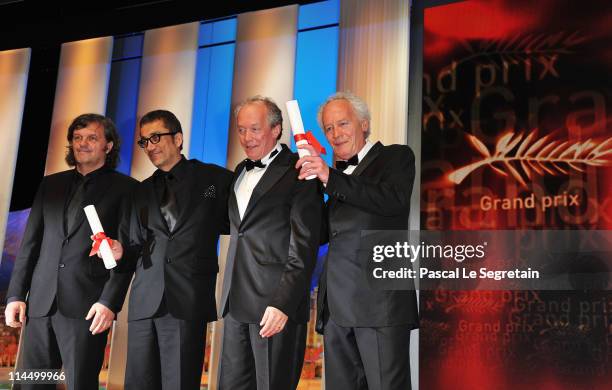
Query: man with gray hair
{"x":366,"y":331}
{"x":274,"y":225}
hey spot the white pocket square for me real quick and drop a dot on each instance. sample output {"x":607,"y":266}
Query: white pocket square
{"x":210,"y":192}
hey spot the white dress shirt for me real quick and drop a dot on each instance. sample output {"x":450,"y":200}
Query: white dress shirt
{"x":362,"y":153}
{"x":248,"y":180}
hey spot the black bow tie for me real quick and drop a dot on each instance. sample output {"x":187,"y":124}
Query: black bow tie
{"x":250,"y":164}
{"x":342,"y":165}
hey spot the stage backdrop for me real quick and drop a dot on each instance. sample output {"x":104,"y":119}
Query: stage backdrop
{"x":516,"y":134}
{"x":199,"y":70}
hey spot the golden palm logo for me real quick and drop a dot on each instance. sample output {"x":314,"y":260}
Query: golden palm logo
{"x":535,"y":157}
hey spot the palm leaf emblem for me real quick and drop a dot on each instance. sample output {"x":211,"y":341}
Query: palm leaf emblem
{"x":523,"y":157}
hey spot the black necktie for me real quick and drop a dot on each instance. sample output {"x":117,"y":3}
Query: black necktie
{"x":342,"y":165}
{"x":168,"y":204}
{"x":75,"y":205}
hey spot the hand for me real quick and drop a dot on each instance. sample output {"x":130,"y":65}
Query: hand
{"x":273,"y":322}
{"x":312,"y":165}
{"x":115,"y":246}
{"x":15,"y":314}
{"x":102,"y":318}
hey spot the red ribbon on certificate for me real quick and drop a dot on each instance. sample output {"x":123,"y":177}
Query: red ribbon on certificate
{"x":308,"y":137}
{"x":98,"y":238}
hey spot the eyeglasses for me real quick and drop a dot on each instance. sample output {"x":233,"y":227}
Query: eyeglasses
{"x":154,"y":139}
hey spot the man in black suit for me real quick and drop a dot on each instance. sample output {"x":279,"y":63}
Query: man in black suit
{"x":274,"y":224}
{"x":180,"y":211}
{"x":366,"y":331}
{"x":72,"y":299}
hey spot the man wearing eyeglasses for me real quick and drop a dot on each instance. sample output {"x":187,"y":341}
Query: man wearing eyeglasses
{"x":180,"y":211}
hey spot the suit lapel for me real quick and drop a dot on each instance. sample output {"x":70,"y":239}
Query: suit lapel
{"x":234,"y":214}
{"x":155,"y":214}
{"x":61,"y":197}
{"x":367,"y":160}
{"x":194,"y":193}
{"x":369,"y":157}
{"x":273,"y":173}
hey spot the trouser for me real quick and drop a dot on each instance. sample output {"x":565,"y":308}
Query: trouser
{"x":250,"y":362}
{"x":165,"y":353}
{"x":54,"y":341}
{"x":366,"y":358}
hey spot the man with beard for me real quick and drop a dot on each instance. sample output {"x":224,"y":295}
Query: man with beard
{"x":179,"y":213}
{"x":67,"y":298}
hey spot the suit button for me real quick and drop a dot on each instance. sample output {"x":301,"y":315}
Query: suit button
{"x":240,"y":234}
{"x":65,"y":242}
{"x":342,"y":197}
{"x":62,"y":265}
{"x":170,"y":237}
{"x":334,"y":233}
{"x":168,"y":260}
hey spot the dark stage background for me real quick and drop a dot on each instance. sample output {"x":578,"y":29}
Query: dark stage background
{"x":516,"y":96}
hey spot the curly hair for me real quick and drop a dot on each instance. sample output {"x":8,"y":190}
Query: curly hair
{"x":110,"y":133}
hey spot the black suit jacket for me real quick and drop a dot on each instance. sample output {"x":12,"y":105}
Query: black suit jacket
{"x":273,"y":249}
{"x":182,"y":264}
{"x":55,"y":264}
{"x":376,"y":196}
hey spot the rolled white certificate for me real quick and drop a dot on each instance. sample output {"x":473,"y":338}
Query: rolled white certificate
{"x":297,"y":127}
{"x":96,"y":227}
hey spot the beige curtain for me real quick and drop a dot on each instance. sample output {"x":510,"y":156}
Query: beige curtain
{"x":264,"y":64}
{"x":167,"y":79}
{"x":82,"y":86}
{"x":373,"y":62}
{"x":14,"y":65}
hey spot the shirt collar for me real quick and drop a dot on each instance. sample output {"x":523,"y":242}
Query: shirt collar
{"x":93,"y":174}
{"x":366,"y":148}
{"x":178,"y":171}
{"x":268,"y":158}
